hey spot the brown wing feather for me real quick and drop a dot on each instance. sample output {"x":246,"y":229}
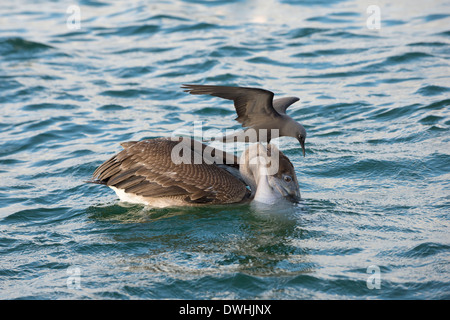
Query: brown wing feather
{"x":253,"y":105}
{"x":145,"y":168}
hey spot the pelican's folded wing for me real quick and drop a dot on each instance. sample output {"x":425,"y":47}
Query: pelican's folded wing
{"x":148,"y":168}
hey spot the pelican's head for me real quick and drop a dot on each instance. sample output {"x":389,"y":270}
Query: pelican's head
{"x":285,"y":180}
{"x":271,"y":173}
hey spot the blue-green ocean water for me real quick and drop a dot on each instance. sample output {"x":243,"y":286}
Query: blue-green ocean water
{"x":374,"y":182}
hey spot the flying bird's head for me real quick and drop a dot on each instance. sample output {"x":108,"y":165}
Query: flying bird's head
{"x":300,"y":134}
{"x":295,"y":130}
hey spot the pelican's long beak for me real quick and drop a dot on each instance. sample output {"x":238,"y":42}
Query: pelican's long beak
{"x":287,"y":192}
{"x":294,"y":198}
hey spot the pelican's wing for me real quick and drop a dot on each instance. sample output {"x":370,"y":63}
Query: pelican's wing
{"x":253,"y":105}
{"x":149,"y":168}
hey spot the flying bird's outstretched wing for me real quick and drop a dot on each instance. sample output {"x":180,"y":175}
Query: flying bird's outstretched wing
{"x":253,"y":105}
{"x":281,"y":104}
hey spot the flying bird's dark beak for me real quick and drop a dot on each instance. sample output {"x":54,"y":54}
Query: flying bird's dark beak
{"x":302,"y":144}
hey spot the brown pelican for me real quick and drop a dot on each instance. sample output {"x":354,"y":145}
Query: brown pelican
{"x":180,"y":171}
{"x":257,"y":111}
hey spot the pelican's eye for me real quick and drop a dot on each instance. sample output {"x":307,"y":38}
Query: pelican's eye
{"x":287,"y":178}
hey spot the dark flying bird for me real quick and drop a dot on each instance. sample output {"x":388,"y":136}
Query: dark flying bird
{"x":256,"y":110}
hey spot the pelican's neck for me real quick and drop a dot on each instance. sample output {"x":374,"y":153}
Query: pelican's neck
{"x":258,"y":180}
{"x":248,"y":177}
{"x":254,"y":167}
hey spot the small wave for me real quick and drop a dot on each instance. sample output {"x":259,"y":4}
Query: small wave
{"x":9,"y":84}
{"x":224,"y":78}
{"x":392,"y":22}
{"x":438,"y":163}
{"x":130,"y":30}
{"x":303,"y":32}
{"x":192,"y":27}
{"x":432,"y":90}
{"x":180,"y":71}
{"x":427,"y":249}
{"x":112,"y":107}
{"x":70,"y":34}
{"x":428,"y":44}
{"x":37,"y":216}
{"x":10,"y":161}
{"x":309,"y":3}
{"x":20,"y":46}
{"x":132,"y":72}
{"x":342,"y":74}
{"x":265,"y":60}
{"x":94,"y":3}
{"x":127,"y":93}
{"x":341,"y":107}
{"x":394,"y":112}
{"x":231,"y":51}
{"x":346,"y":14}
{"x":367,"y":168}
{"x":399,"y":80}
{"x":407,"y":57}
{"x":45,"y":123}
{"x":431,"y":119}
{"x":352,"y":35}
{"x":438,"y":104}
{"x":144,"y":50}
{"x":330,"y":52}
{"x":16,"y":146}
{"x":328,"y":20}
{"x":160,"y":17}
{"x":444,"y":33}
{"x":433,"y":17}
{"x":54,"y":106}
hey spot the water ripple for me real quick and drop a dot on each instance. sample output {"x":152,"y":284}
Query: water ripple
{"x":374,"y":180}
